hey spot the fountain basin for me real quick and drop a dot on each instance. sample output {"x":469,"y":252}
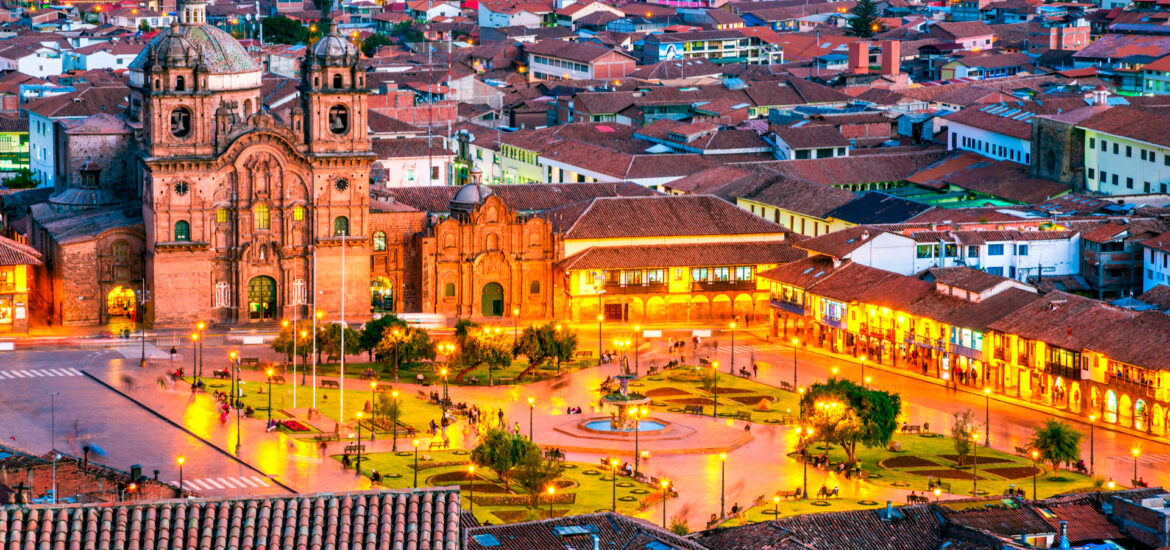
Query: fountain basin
{"x":644,"y":426}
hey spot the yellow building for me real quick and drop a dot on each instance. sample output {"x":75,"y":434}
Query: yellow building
{"x":16,"y":263}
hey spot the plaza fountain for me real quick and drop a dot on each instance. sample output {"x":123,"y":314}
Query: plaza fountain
{"x":626,"y":417}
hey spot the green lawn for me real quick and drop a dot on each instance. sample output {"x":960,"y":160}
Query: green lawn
{"x":413,"y":412}
{"x":409,"y":372}
{"x":591,"y":486}
{"x":903,"y":469}
{"x":767,"y":510}
{"x":673,"y":389}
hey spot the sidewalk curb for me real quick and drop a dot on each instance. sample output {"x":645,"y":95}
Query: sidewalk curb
{"x":1006,"y":399}
{"x":186,"y":431}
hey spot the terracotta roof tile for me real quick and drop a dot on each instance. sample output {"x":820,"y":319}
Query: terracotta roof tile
{"x":521,"y":198}
{"x":680,"y":215}
{"x":839,"y":244}
{"x":1134,"y":123}
{"x":1158,"y":296}
{"x":684,"y":255}
{"x":14,"y":253}
{"x":612,"y":530}
{"x":810,"y":136}
{"x":965,"y":278}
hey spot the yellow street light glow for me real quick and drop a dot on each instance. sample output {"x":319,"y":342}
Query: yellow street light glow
{"x":195,"y":336}
{"x":471,"y":469}
{"x":201,"y":325}
{"x":181,"y":459}
{"x":722,"y":456}
{"x":415,"y":443}
{"x":373,"y":384}
{"x":987,"y":391}
{"x":394,"y":394}
{"x":531,"y":401}
{"x":1110,"y":484}
{"x":776,"y":499}
{"x":270,"y":372}
{"x":1035,"y":455}
{"x":1135,"y":452}
{"x":284,"y":322}
{"x":232,"y":354}
{"x":359,"y":415}
{"x":550,"y":489}
{"x":937,"y":492}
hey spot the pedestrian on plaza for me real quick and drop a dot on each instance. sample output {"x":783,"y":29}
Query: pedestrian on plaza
{"x":500,"y":413}
{"x":755,"y":370}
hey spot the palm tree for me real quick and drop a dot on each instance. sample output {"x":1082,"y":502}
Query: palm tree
{"x":1057,"y":442}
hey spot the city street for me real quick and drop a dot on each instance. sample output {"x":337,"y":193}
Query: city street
{"x":88,"y":412}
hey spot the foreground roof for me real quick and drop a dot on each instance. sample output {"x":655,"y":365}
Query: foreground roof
{"x":424,"y":519}
{"x":611,"y":530}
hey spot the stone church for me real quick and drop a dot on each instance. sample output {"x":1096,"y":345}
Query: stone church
{"x":231,"y":207}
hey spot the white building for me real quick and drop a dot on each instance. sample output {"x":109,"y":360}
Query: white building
{"x":1127,"y":152}
{"x":116,"y":54}
{"x":1156,"y":262}
{"x":995,"y":131}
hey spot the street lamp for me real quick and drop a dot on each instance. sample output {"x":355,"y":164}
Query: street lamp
{"x":270,"y":399}
{"x":638,"y":415}
{"x":394,"y":419}
{"x":975,"y":466}
{"x":373,"y":431}
{"x":722,"y":484}
{"x":937,"y":493}
{"x":515,"y":325}
{"x":1135,"y":452}
{"x":550,"y":501}
{"x":987,"y":417}
{"x":443,"y":372}
{"x":732,"y":348}
{"x":531,"y":409}
{"x":665,"y":485}
{"x":1092,"y":446}
{"x":415,"y":443}
{"x":195,"y":357}
{"x":232,"y":374}
{"x":53,"y":419}
{"x":304,"y":372}
{"x":200,"y":326}
{"x":715,"y":398}
{"x":1110,"y":484}
{"x":803,"y":433}
{"x":600,"y":318}
{"x":776,"y":506}
{"x":795,"y":347}
{"x":613,"y":464}
{"x":358,"y":463}
{"x":471,"y":489}
{"x":396,"y":342}
{"x":1035,"y":456}
{"x":180,"y":460}
{"x":863,"y":370}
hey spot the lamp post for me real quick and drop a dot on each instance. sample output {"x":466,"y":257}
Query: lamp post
{"x":531,"y":410}
{"x":937,"y":493}
{"x":599,"y":284}
{"x":471,"y":489}
{"x":613,"y":465}
{"x":776,"y":506}
{"x":975,"y":466}
{"x":443,"y":373}
{"x":987,"y":417}
{"x":732,"y":348}
{"x":1135,"y":452}
{"x":304,"y":372}
{"x":795,"y":347}
{"x":396,"y":342}
{"x":863,"y":367}
{"x":515,"y":325}
{"x":715,"y":398}
{"x":53,"y":419}
{"x":180,"y":460}
{"x":373,"y":431}
{"x":637,"y":342}
{"x":270,"y":399}
{"x":803,"y":433}
{"x":394,"y":419}
{"x":722,"y":484}
{"x":200,"y":326}
{"x":1092,"y":446}
{"x":195,"y":357}
{"x":415,"y":443}
{"x":550,"y":501}
{"x":316,"y":317}
{"x":665,"y":485}
{"x":358,"y":463}
{"x":1035,"y":456}
{"x":638,"y":415}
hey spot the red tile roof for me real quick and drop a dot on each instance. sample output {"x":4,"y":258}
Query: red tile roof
{"x":810,"y":136}
{"x":1158,"y":296}
{"x":683,"y":255}
{"x":14,"y":253}
{"x":1133,"y":123}
{"x":839,"y":244}
{"x":1161,"y":242}
{"x":679,"y":215}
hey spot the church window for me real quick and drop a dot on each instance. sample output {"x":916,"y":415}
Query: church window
{"x":247,"y":107}
{"x":534,"y":287}
{"x":181,"y":188}
{"x":180,"y":83}
{"x":298,"y":213}
{"x":493,"y":241}
{"x":341,"y":226}
{"x":338,"y":120}
{"x":221,"y":215}
{"x":121,"y":251}
{"x":180,"y":122}
{"x":260,"y":216}
{"x":337,"y":81}
{"x":223,"y":295}
{"x":449,"y":290}
{"x":182,"y":231}
{"x":379,"y":240}
{"x":341,"y":184}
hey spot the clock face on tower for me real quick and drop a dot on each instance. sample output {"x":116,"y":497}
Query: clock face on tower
{"x":181,"y":188}
{"x":341,"y":184}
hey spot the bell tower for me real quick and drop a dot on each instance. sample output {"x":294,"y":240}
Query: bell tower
{"x":334,"y":95}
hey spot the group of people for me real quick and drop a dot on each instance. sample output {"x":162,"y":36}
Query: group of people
{"x":573,"y":410}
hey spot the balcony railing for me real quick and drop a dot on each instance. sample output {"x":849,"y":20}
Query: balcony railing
{"x":1057,"y":369}
{"x":1001,"y":354}
{"x":1131,"y":387}
{"x":714,"y":286}
{"x":790,"y":307}
{"x":619,"y":288}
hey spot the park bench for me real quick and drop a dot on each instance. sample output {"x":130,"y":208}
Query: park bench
{"x":221,"y":373}
{"x":253,"y":361}
{"x":744,"y":415}
{"x":912,"y":429}
{"x":788,"y":494}
{"x":704,"y":362}
{"x":384,"y":388}
{"x":1020,"y":451}
{"x":369,"y":374}
{"x":354,"y":448}
{"x":693,"y":409}
{"x":786,"y":386}
{"x":330,"y":384}
{"x":583,"y":354}
{"x":943,"y":486}
{"x":917,"y":499}
{"x":439,"y":444}
{"x":506,"y":380}
{"x":277,"y":378}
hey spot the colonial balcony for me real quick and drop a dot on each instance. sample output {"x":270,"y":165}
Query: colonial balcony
{"x":720,"y":286}
{"x":644,"y":288}
{"x":1131,"y":387}
{"x":1068,"y":373}
{"x":790,"y":307}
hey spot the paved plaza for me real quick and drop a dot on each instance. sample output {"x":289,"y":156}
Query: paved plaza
{"x":128,"y":415}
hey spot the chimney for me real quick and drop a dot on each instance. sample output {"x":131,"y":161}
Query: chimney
{"x":135,"y":472}
{"x":859,"y":58}
{"x":85,"y":458}
{"x":891,"y":57}
{"x":1063,"y":542}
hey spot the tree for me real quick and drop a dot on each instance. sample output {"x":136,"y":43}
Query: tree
{"x":405,"y":32}
{"x":377,"y":40}
{"x":844,"y":413}
{"x":1057,"y":442}
{"x":282,"y":30}
{"x":144,"y":26}
{"x":544,"y":343}
{"x":404,"y":345}
{"x":283,"y":344}
{"x":864,"y":21}
{"x":23,"y":179}
{"x":479,"y":346}
{"x":329,"y":341}
{"x":962,"y":427}
{"x":534,"y":472}
{"x":678,"y":526}
{"x":372,"y":332}
{"x":501,"y":452}
{"x":384,"y":408}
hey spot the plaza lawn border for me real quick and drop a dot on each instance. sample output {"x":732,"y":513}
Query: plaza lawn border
{"x":673,"y":388}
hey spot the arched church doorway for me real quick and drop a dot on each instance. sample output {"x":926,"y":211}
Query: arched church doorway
{"x":122,"y":304}
{"x":261,"y":298}
{"x":381,"y":295}
{"x":492,"y":301}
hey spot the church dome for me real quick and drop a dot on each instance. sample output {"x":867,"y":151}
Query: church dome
{"x":335,"y":50}
{"x":200,"y":46}
{"x":468,"y":197}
